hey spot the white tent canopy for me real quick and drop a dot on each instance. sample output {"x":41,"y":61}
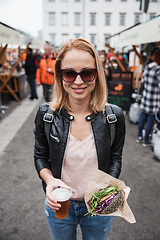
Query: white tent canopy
{"x":9,"y":36}
{"x":143,"y":33}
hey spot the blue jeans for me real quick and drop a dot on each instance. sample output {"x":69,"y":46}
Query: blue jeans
{"x":148,"y":119}
{"x":93,"y":228}
{"x":31,"y":81}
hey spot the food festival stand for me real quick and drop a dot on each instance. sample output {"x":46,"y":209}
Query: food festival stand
{"x":13,"y":80}
{"x":9,"y":82}
{"x":145,"y":33}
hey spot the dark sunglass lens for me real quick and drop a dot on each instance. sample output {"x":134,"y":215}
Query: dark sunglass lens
{"x":68,"y":75}
{"x":88,"y":75}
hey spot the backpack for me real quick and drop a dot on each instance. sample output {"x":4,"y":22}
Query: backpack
{"x":110,"y":117}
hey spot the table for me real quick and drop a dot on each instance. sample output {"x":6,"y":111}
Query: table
{"x":15,"y":84}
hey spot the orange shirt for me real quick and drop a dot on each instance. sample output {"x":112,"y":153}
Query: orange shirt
{"x":24,"y":55}
{"x":42,"y":76}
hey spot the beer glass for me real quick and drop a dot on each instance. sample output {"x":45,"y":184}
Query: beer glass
{"x":63,"y":196}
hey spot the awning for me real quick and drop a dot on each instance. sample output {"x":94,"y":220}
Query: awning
{"x":143,"y":33}
{"x":9,"y":35}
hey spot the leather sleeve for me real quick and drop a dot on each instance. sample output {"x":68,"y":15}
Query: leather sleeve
{"x":41,"y":148}
{"x":117,"y":146}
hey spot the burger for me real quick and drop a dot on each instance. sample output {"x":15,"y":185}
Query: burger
{"x":106,"y":200}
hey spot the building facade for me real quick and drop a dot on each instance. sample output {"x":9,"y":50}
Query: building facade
{"x":93,"y":20}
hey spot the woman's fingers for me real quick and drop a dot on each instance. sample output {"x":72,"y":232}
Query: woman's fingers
{"x":52,"y":203}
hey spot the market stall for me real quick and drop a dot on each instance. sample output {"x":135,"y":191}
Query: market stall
{"x":145,"y":33}
{"x":9,"y":77}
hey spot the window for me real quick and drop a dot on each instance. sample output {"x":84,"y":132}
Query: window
{"x":93,"y":0}
{"x":93,"y":39}
{"x":51,"y":0}
{"x":107,"y":41}
{"x":153,"y":0}
{"x":92,"y":18}
{"x":77,"y":19}
{"x":108,"y":0}
{"x":123,"y":0}
{"x":137,"y":18}
{"x":52,"y":19}
{"x":52,"y":38}
{"x":64,"y":18}
{"x":77,"y":0}
{"x":64,"y":37}
{"x":122,"y":19}
{"x":107,"y":18}
{"x":64,"y":0}
{"x":152,"y":15}
{"x":77,"y":35}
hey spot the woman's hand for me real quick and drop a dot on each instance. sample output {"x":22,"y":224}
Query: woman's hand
{"x":52,"y":202}
{"x":51,"y":182}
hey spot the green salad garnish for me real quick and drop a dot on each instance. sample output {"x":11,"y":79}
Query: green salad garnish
{"x":100,"y":194}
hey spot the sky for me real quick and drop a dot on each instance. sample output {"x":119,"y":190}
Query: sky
{"x":25,"y":15}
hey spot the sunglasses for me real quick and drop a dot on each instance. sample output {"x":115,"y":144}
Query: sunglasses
{"x":87,"y":75}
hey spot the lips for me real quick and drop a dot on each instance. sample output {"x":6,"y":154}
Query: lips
{"x":79,"y":90}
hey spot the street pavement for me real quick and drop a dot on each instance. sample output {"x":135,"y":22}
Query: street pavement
{"x":22,"y":198}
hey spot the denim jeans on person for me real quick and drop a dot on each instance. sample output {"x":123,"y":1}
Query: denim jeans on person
{"x":93,"y":228}
{"x":31,"y":81}
{"x":148,"y":119}
{"x":47,"y":92}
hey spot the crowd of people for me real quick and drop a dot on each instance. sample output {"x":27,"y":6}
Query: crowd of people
{"x":42,"y":66}
{"x":40,"y":71}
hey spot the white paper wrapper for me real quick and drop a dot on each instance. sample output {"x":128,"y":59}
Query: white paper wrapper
{"x":101,"y":180}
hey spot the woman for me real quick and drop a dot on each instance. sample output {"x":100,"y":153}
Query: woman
{"x":79,"y":140}
{"x":150,"y":98}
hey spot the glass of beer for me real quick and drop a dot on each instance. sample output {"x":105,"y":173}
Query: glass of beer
{"x":63,"y":196}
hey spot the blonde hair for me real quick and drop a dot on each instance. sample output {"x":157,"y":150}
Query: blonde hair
{"x":60,"y":96}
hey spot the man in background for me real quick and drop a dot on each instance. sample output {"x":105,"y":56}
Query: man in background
{"x":30,"y":69}
{"x":45,"y":72}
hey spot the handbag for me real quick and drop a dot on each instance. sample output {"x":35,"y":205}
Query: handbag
{"x":134,"y":113}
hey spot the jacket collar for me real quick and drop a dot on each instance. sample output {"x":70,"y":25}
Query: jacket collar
{"x":71,"y":117}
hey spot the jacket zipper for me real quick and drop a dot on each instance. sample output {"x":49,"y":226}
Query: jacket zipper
{"x":55,"y":138}
{"x":65,"y":148}
{"x":94,"y":141}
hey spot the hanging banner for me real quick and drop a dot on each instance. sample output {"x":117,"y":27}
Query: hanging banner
{"x":120,"y":89}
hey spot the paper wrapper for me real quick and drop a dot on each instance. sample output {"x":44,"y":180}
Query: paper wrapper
{"x":101,"y":180}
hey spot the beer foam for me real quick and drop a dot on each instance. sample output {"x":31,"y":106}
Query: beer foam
{"x":61,"y":194}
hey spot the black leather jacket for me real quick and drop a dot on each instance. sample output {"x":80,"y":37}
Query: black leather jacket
{"x":51,"y":155}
